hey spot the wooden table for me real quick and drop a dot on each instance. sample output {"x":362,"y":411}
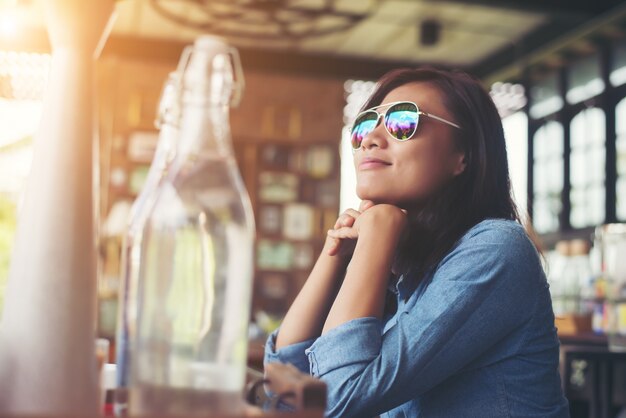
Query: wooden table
{"x":591,"y":373}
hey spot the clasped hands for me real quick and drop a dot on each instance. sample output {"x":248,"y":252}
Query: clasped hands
{"x":382,"y":221}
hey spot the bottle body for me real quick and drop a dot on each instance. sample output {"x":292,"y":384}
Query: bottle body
{"x":191,"y":344}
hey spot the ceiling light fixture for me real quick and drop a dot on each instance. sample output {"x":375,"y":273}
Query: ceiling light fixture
{"x":430,"y":31}
{"x":264,"y":19}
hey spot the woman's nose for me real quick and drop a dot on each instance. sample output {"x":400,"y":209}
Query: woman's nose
{"x":376,"y":138}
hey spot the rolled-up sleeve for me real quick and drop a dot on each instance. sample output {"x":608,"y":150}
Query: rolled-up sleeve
{"x":356,"y":342}
{"x":291,"y":354}
{"x":483,"y":290}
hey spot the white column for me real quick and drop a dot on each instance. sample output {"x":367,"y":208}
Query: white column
{"x":47,"y":363}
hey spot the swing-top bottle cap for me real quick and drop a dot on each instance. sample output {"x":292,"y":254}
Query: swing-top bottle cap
{"x":212,"y":42}
{"x":211,"y":72}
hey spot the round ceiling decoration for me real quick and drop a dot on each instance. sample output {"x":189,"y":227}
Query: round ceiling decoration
{"x":266,"y":19}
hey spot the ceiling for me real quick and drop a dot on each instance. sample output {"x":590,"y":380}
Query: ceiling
{"x":390,"y":31}
{"x":476,"y":35}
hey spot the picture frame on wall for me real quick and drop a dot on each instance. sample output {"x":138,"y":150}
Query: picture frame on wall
{"x":278,"y":187}
{"x":320,"y":161}
{"x":274,"y":255}
{"x":275,"y":156}
{"x":298,"y":221}
{"x":297,"y":161}
{"x":270,"y":219}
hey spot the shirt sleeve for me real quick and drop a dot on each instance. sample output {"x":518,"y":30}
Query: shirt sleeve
{"x":292,"y":354}
{"x":483,"y":290}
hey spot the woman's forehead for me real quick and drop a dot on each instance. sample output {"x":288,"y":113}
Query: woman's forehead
{"x":414,"y":91}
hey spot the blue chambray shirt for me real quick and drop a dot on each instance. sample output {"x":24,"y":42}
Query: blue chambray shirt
{"x":475,"y":339}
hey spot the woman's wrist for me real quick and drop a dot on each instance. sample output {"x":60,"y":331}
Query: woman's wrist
{"x":383,"y":221}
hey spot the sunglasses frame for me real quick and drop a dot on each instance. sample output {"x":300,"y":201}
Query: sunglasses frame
{"x":384,"y":114}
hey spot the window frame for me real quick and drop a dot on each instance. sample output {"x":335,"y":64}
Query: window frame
{"x":607,"y":101}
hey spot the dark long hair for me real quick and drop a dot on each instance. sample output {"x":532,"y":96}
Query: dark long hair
{"x":482,"y":191}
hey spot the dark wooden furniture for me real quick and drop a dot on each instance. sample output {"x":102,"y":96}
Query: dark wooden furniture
{"x":593,"y":377}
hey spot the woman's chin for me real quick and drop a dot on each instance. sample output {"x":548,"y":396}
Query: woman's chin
{"x":378,"y":199}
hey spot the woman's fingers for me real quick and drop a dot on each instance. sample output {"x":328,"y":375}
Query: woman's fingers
{"x":365,"y":205}
{"x":343,"y":228}
{"x":343,"y":233}
{"x":333,"y":248}
{"x":347,"y":218}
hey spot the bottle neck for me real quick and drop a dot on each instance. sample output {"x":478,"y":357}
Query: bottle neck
{"x":163,"y":155}
{"x":204,"y":132}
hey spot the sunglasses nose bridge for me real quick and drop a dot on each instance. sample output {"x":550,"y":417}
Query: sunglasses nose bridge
{"x":377,"y":135}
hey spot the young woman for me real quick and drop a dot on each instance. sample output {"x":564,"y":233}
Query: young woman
{"x":430,"y":300}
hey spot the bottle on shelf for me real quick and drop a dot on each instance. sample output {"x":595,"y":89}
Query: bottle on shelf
{"x":613,"y":244}
{"x":558,"y":277}
{"x":571,"y":284}
{"x":581,"y":280}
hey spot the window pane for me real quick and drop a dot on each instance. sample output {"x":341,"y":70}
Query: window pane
{"x":618,"y":70}
{"x":621,"y":198}
{"x":554,"y":174}
{"x":545,"y":218}
{"x":587,"y":168}
{"x":541,"y":187}
{"x":356,"y":93}
{"x":577,"y":169}
{"x":584,"y":79}
{"x":23,"y":78}
{"x":620,"y":145}
{"x":595,"y":204}
{"x":548,"y":176}
{"x":621,"y":155}
{"x":545,"y":98}
{"x":596,"y":165}
{"x":516,"y":134}
{"x":577,"y":214}
{"x":554,"y":138}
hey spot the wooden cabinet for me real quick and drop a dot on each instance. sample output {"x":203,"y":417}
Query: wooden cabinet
{"x":296,"y":200}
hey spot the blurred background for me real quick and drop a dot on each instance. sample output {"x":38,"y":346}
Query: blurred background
{"x":556,"y":70}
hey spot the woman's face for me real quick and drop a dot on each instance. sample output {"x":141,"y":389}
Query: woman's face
{"x":407,"y":173}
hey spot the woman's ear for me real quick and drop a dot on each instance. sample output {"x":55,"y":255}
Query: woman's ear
{"x":460,"y":165}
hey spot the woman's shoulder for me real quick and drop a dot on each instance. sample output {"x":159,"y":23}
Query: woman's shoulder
{"x":493,"y":247}
{"x":496,"y":230}
{"x":501,"y":238}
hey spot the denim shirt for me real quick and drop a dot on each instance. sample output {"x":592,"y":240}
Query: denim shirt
{"x":476,"y":338}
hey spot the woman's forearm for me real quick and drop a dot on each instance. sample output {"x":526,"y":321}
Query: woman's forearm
{"x":307,"y":314}
{"x":363,"y":290}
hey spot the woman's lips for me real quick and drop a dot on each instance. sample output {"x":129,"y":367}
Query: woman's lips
{"x":372,"y":163}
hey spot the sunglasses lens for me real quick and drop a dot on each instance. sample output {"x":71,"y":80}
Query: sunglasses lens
{"x":401,"y":120}
{"x":363,"y":125}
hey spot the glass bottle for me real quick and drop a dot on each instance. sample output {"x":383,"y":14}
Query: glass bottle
{"x":581,"y":276}
{"x":613,"y":238}
{"x":193,"y":297}
{"x":167,"y":123}
{"x":558,"y":277}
